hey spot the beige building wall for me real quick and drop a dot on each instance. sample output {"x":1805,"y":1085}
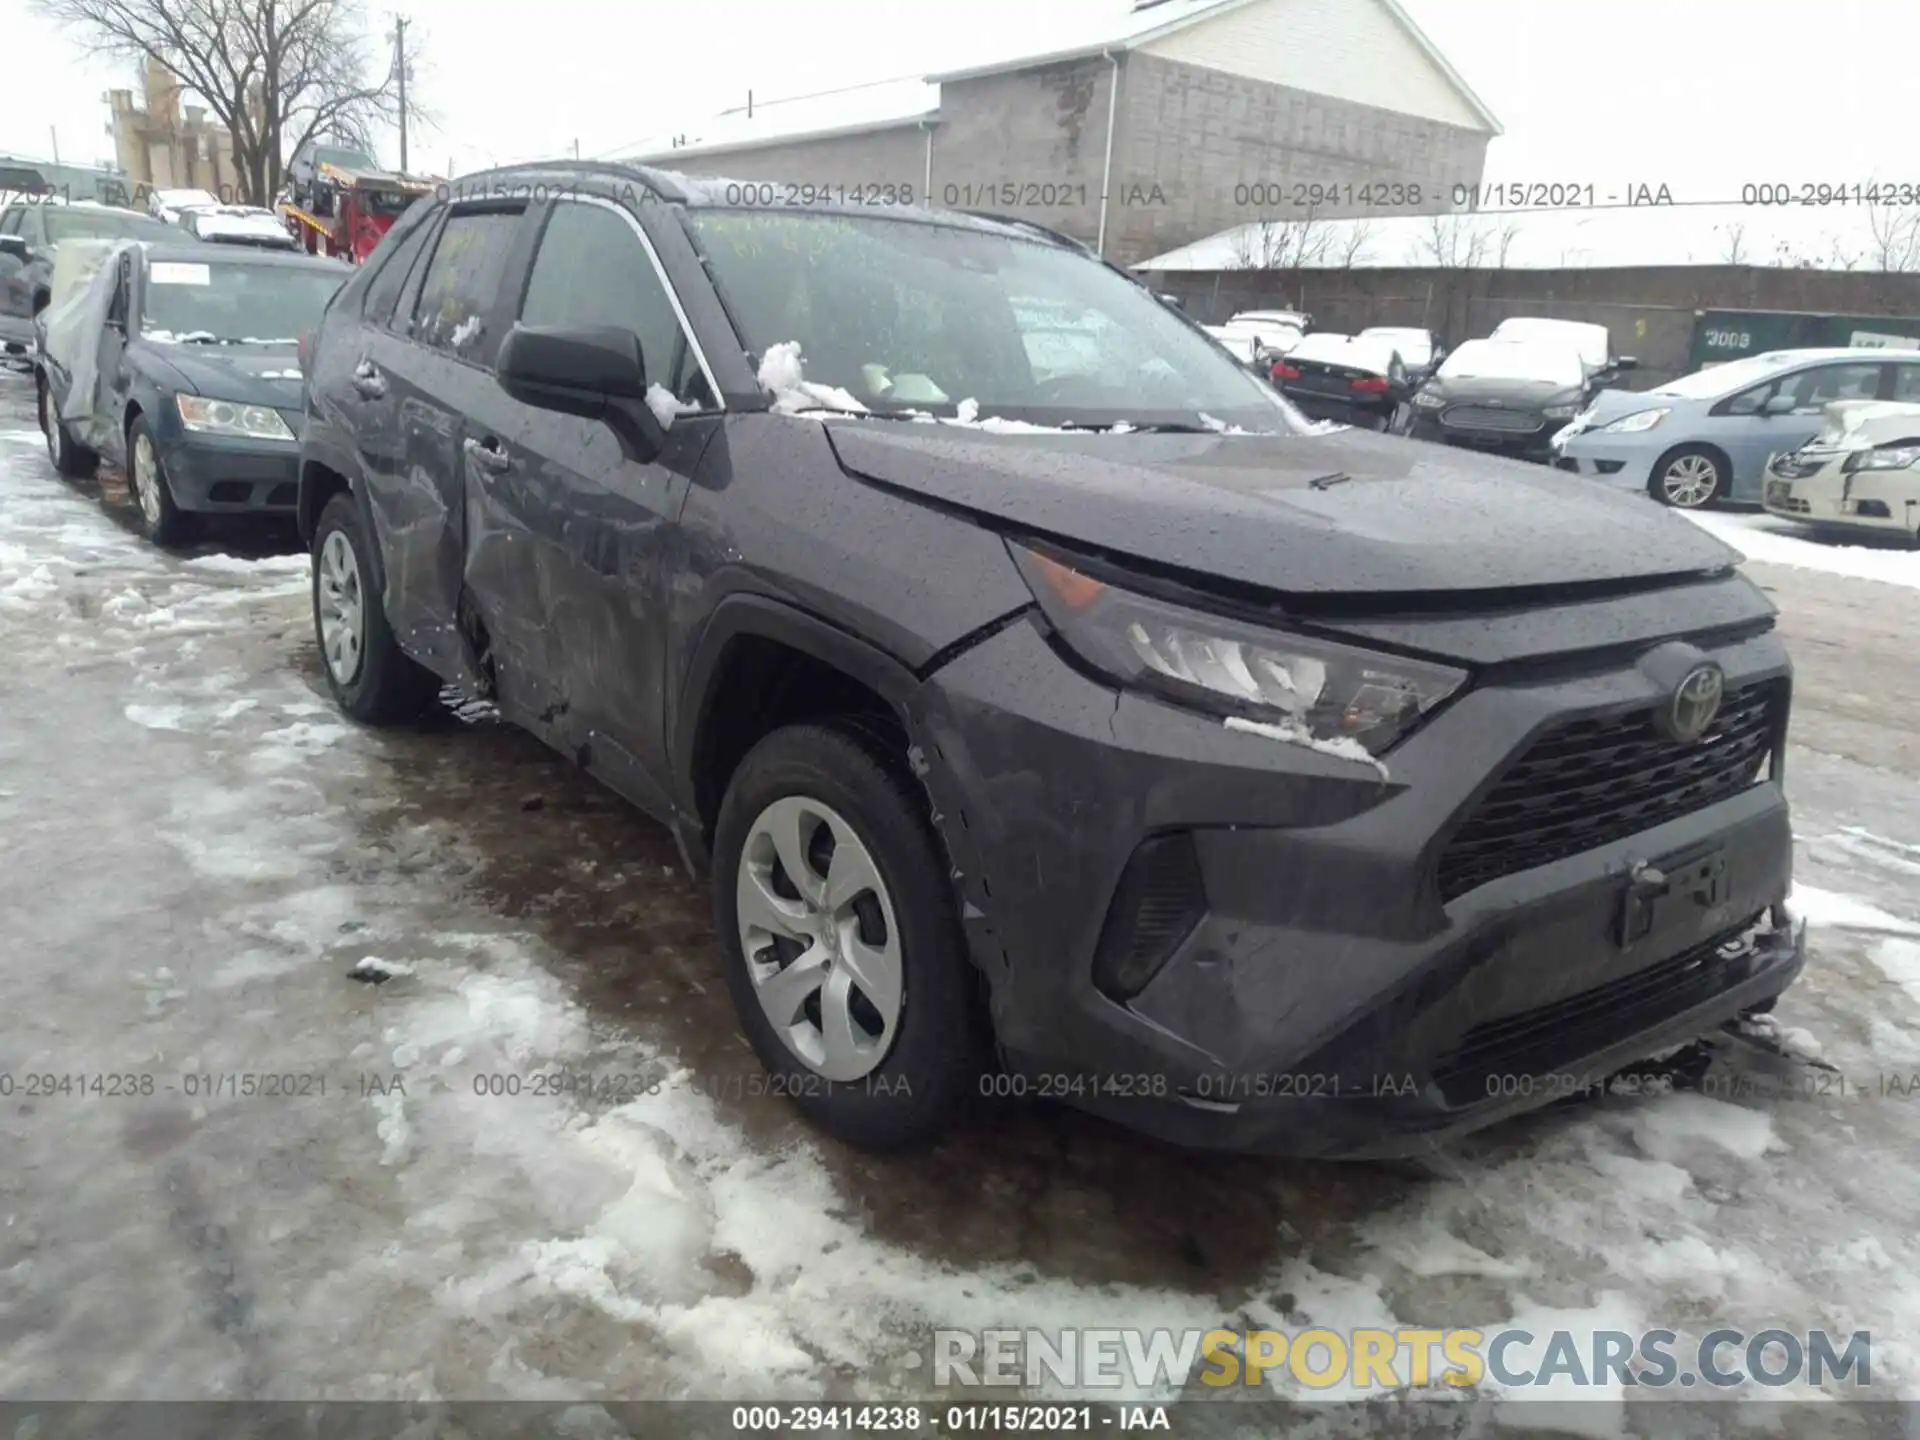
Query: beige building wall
{"x":164,"y":145}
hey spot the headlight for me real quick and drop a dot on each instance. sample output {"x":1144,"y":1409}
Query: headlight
{"x":1232,"y":668}
{"x":1898,"y":458}
{"x":1561,"y":412}
{"x":1427,"y":400}
{"x":1636,"y":422}
{"x":229,"y":417}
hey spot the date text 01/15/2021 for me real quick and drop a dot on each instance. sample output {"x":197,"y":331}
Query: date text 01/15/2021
{"x":195,"y":1085}
{"x":1315,"y":195}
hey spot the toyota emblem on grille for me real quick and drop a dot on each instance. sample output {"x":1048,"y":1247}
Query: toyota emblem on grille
{"x":1695,"y":703}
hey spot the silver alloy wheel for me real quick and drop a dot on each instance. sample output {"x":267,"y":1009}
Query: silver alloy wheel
{"x":342,"y":608}
{"x":824,"y":958}
{"x":1689,"y":481}
{"x":146,"y":478}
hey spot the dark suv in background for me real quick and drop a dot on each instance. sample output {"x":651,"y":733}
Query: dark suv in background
{"x":1247,"y":784}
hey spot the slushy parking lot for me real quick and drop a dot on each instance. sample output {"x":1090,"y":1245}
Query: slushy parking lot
{"x":297,"y":1015}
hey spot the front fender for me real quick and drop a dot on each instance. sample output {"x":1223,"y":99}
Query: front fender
{"x":758,"y":616}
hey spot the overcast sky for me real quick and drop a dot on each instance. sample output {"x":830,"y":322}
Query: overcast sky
{"x":1701,"y":95}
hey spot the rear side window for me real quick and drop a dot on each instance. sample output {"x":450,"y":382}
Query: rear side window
{"x":592,"y":268}
{"x":10,"y":220}
{"x":390,"y":278}
{"x":462,"y":284}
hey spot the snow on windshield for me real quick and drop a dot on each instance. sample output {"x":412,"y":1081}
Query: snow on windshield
{"x":1414,"y":345}
{"x":1354,"y":350}
{"x":1716,"y":380}
{"x":892,"y":315}
{"x":1589,"y":341}
{"x":1513,"y":360}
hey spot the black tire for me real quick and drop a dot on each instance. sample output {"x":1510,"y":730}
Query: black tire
{"x":72,"y":460}
{"x":1666,"y":484}
{"x":160,"y":520}
{"x":934,"y":1060}
{"x":385,"y":686}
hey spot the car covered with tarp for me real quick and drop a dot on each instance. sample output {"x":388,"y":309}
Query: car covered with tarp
{"x":179,"y":363}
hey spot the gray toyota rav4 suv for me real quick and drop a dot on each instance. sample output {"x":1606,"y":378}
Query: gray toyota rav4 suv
{"x":1056,"y":711}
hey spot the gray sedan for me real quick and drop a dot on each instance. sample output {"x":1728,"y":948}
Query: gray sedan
{"x":1708,"y":436}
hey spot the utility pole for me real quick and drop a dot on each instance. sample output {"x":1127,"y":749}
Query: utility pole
{"x":576,"y":149}
{"x":400,"y":70}
{"x":54,"y":135}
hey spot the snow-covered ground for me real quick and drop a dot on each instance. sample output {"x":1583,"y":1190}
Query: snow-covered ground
{"x":207,"y":876}
{"x":1770,"y":540}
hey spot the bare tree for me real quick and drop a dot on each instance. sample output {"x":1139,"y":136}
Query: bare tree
{"x":1734,"y":238}
{"x":276,"y":73}
{"x":1352,"y":246}
{"x":1452,"y":242}
{"x":1894,"y":243}
{"x":1502,"y":243}
{"x":1281,"y":244}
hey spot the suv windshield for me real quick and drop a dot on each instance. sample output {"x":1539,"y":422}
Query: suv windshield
{"x":345,"y":159}
{"x":904,"y":315}
{"x":214,"y":302}
{"x":86,"y":224}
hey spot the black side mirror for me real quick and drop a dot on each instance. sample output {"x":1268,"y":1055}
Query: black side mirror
{"x":16,"y":246}
{"x":597,"y":372}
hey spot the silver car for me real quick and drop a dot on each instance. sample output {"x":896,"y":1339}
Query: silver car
{"x":1708,"y":436}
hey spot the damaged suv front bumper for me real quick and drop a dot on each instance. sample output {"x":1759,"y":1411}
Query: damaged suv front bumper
{"x":1229,"y":941}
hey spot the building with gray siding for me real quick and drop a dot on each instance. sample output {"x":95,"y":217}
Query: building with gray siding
{"x":1177,"y":120}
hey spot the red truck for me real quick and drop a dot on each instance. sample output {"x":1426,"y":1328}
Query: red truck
{"x":344,"y":212}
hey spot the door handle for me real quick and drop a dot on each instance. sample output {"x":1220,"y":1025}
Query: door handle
{"x":368,"y":380}
{"x":488,"y":455}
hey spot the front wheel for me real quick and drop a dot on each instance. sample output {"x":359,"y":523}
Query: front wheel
{"x":161,"y":521}
{"x":1689,"y":478}
{"x":371,"y":677}
{"x":842,"y":947}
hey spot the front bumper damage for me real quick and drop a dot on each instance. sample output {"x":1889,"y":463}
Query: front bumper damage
{"x":1327,"y":997}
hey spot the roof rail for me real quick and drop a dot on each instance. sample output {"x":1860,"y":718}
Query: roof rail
{"x":1032,"y":228}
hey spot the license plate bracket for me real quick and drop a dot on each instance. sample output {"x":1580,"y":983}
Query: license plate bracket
{"x":1666,"y":892}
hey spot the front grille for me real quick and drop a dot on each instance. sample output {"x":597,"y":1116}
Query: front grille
{"x":1480,"y":417}
{"x":1538,"y":1042}
{"x":1590,"y":782}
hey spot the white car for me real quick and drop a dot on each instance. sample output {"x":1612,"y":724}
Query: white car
{"x":1593,"y":342}
{"x":1861,"y":471}
{"x":170,"y":205}
{"x":239,"y":225}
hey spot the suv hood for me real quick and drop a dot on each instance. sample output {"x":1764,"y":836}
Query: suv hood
{"x":247,"y":375}
{"x":1408,"y":517}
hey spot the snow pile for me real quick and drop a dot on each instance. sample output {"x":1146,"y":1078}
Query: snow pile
{"x":782,"y":376}
{"x":665,"y":404}
{"x":1845,"y":912}
{"x":1770,"y":542}
{"x":1296,"y":734}
{"x":375,"y":971}
{"x":179,"y":337}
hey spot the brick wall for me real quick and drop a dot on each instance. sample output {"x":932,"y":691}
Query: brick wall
{"x":1033,"y":143}
{"x":1203,"y":136}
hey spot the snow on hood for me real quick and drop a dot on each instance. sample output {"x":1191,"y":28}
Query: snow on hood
{"x":1861,"y":424}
